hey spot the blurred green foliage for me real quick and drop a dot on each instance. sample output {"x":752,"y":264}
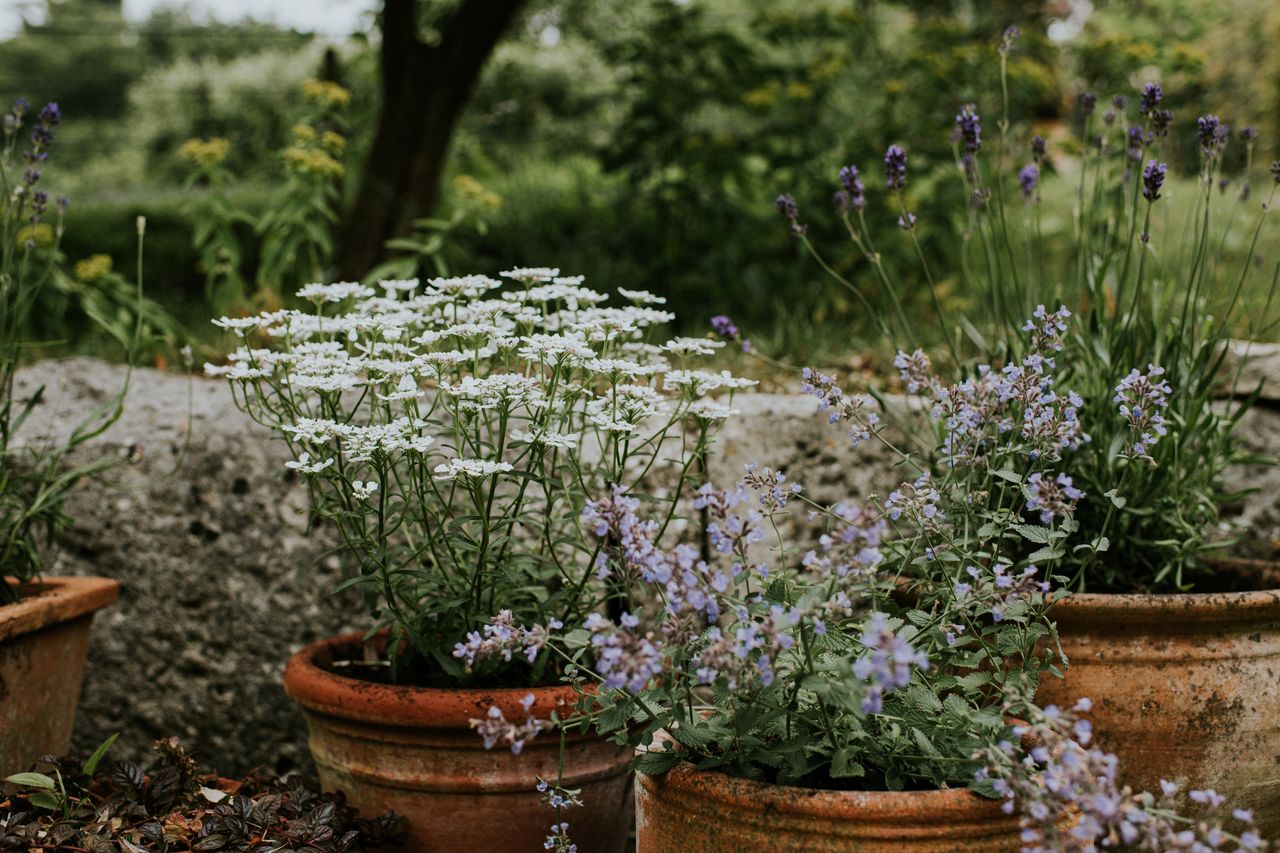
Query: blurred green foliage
{"x":639,"y":142}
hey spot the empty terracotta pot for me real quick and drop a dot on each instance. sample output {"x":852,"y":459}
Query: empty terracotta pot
{"x":412,"y":750}
{"x":695,"y":811}
{"x":43,"y":642}
{"x":1184,"y":688}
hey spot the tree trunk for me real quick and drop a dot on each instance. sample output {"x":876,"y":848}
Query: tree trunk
{"x":424,"y":88}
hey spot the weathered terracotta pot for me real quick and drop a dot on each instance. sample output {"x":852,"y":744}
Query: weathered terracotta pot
{"x":412,"y":750}
{"x":1184,"y":688}
{"x":694,"y":811}
{"x":43,"y":642}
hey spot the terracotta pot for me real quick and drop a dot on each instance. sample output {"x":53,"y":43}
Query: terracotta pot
{"x":694,"y":811}
{"x":1184,"y":687}
{"x":43,"y":642}
{"x":412,"y":750}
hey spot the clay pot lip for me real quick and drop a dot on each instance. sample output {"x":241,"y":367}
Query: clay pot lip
{"x":890,"y":807}
{"x":54,"y":600}
{"x":318,"y":690}
{"x":1177,"y":610}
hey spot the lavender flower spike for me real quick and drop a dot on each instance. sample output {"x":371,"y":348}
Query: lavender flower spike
{"x":895,"y":167}
{"x":1028,"y":178}
{"x":1153,"y":180}
{"x":791,"y":212}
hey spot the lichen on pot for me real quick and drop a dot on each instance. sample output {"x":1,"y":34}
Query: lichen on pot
{"x":692,"y":811}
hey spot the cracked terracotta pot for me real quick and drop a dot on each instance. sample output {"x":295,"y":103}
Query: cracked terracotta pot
{"x":696,"y":811}
{"x":412,"y":750}
{"x":1184,"y":687}
{"x":43,"y":642}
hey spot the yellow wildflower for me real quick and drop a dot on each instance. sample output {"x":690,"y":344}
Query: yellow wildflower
{"x":205,"y":153}
{"x":41,"y":234}
{"x":475,"y":194}
{"x":334,"y":143}
{"x":798,"y":91}
{"x":93,"y":268}
{"x":312,"y":162}
{"x":303,"y":133}
{"x":762,"y":96}
{"x":326,"y":94}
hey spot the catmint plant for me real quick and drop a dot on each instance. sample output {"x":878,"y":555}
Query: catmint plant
{"x":451,"y":432}
{"x":1158,"y":293}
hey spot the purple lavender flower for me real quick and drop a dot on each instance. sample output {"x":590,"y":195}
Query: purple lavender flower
{"x":725,"y":328}
{"x":1161,"y":120}
{"x":969,"y":129}
{"x":1137,"y":142}
{"x":1248,"y":135}
{"x":1008,"y":38}
{"x":852,"y":183}
{"x":1053,"y":498}
{"x":889,"y":665}
{"x":1120,"y":102}
{"x":791,"y":212}
{"x":1153,"y":179}
{"x":1028,"y":178}
{"x":1088,"y":101}
{"x":1151,"y":98}
{"x":907,"y":221}
{"x":1142,"y":399}
{"x":895,"y":167}
{"x":1038,"y":149}
{"x":1212,"y":135}
{"x":1275,"y":171}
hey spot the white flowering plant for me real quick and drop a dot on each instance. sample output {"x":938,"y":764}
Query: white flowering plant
{"x":452,"y":432}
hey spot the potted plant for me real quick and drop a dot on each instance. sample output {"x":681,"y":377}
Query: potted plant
{"x":869,"y":686}
{"x":451,"y":433}
{"x":44,"y":621}
{"x":1178,"y":644}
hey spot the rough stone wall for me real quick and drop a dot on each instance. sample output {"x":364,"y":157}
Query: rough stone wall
{"x":222,"y":581}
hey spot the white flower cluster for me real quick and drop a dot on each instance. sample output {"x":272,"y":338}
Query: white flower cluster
{"x":468,"y":378}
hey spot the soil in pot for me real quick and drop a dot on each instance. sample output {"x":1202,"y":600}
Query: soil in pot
{"x":1185,"y":687}
{"x":44,"y":639}
{"x":412,"y":750}
{"x":694,"y":811}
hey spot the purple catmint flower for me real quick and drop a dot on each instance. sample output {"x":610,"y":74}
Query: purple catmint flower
{"x":746,"y":653}
{"x":832,"y":399}
{"x":1153,"y":179}
{"x":791,"y":212}
{"x":969,"y":129}
{"x":626,"y":659}
{"x":495,"y":728}
{"x":916,"y":372}
{"x":772,"y":486}
{"x":1052,"y":497}
{"x":895,"y":167}
{"x":558,"y":839}
{"x":1028,"y":178}
{"x":918,"y":501}
{"x":852,"y":183}
{"x":1152,"y":95}
{"x":1087,"y":102}
{"x":502,"y":638}
{"x":888,"y":663}
{"x":1142,"y":399}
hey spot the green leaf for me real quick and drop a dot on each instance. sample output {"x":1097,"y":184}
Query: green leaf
{"x":655,"y":763}
{"x":45,"y":800}
{"x":31,"y":780}
{"x":1116,"y":499}
{"x":844,"y":767}
{"x":1006,"y":474}
{"x":1033,"y":533}
{"x":94,"y":760}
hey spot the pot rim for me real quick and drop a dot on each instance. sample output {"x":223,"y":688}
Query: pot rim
{"x":55,"y":600}
{"x":1177,"y":610}
{"x":867,"y":807}
{"x":319,"y":690}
